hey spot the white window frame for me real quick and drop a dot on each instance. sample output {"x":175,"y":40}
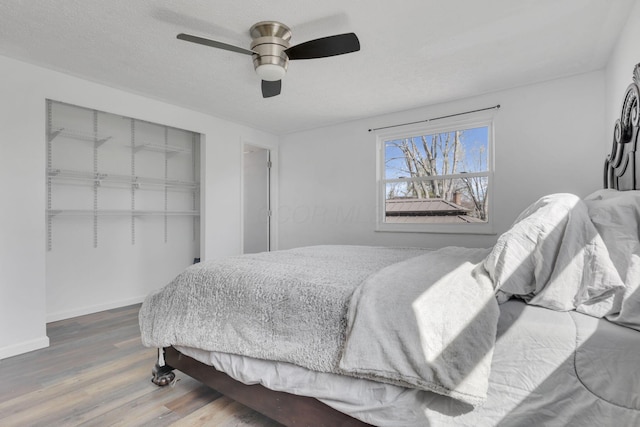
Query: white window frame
{"x":467,"y":121}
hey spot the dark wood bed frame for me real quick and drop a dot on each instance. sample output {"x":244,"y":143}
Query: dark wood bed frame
{"x":620,"y":173}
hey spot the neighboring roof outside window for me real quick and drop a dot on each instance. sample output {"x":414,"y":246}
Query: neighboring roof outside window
{"x":415,"y":206}
{"x":436,"y":210}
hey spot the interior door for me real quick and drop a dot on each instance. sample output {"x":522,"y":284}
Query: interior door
{"x":256,"y":188}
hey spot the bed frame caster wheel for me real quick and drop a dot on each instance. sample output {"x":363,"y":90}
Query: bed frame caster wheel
{"x":162,"y":375}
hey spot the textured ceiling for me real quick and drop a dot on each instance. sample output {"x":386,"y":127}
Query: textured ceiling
{"x":414,"y":52}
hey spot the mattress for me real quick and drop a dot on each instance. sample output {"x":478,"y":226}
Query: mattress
{"x":549,"y":368}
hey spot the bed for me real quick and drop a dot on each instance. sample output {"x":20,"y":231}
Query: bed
{"x":541,"y":329}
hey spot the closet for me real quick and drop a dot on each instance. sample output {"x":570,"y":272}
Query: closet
{"x":123,"y":207}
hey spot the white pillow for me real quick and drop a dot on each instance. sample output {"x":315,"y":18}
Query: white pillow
{"x":616,"y":215}
{"x":554,"y":257}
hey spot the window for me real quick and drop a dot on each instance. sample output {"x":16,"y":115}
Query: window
{"x":436,"y":177}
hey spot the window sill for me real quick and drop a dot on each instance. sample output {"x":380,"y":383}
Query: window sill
{"x":485,"y":228}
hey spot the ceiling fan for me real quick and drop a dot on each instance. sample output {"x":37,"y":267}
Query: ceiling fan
{"x":271,"y":51}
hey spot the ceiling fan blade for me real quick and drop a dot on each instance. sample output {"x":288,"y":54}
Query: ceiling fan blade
{"x":270,"y":89}
{"x":324,"y":47}
{"x":213,"y":43}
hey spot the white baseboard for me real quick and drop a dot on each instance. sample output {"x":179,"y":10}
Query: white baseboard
{"x":23,"y":347}
{"x":61,"y":315}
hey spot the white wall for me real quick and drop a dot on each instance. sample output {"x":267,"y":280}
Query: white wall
{"x":23,"y":90}
{"x":619,"y":70}
{"x":548,"y":138}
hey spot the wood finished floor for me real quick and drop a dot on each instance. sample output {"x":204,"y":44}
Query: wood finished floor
{"x":97,"y":373}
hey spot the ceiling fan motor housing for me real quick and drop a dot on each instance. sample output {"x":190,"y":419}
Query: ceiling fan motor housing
{"x":270,"y":40}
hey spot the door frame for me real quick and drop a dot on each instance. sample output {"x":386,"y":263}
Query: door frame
{"x":273,"y":196}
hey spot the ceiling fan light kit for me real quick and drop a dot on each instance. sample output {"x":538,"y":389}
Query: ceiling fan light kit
{"x":270,"y":40}
{"x":271,"y":51}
